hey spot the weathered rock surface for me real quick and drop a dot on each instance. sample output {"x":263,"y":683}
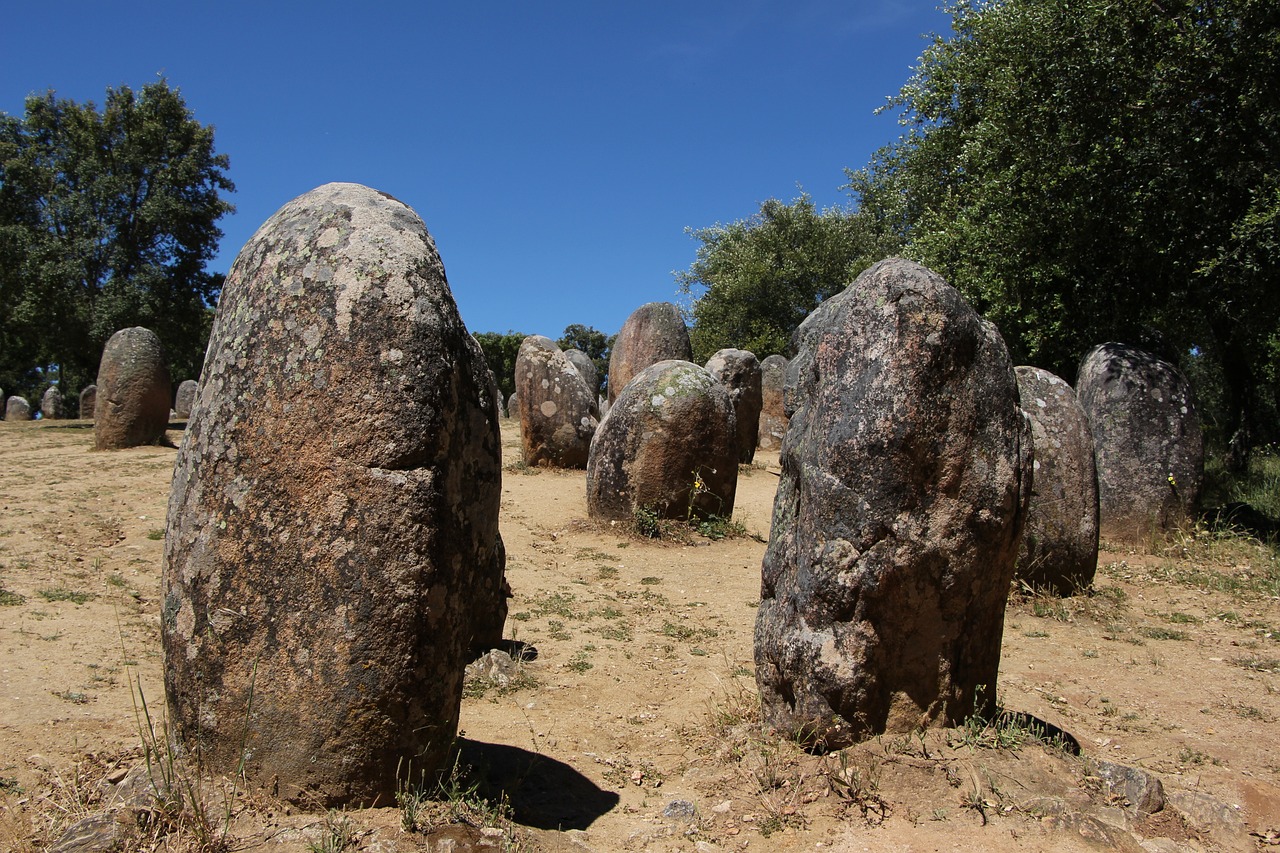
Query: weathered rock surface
{"x":739,"y":372}
{"x":17,"y":409}
{"x":905,"y":478}
{"x":668,"y":446}
{"x":51,"y":408}
{"x":332,"y":551}
{"x":134,"y":390}
{"x":1147,"y":441}
{"x":184,"y":399}
{"x":88,"y":401}
{"x":654,"y":332}
{"x":586,"y":369}
{"x":773,"y":417}
{"x":1059,"y":550}
{"x":556,"y":411}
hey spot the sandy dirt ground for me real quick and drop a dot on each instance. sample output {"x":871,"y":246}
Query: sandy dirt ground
{"x":634,"y":727}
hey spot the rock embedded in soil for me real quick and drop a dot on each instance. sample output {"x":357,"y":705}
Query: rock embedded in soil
{"x":88,"y":401}
{"x":739,"y":372}
{"x":654,"y":332}
{"x":134,"y":391}
{"x":1147,"y":441}
{"x":51,"y":404}
{"x":332,"y":551}
{"x":556,"y":411}
{"x":1059,"y":551}
{"x":905,"y":478}
{"x":17,"y":409}
{"x":184,"y":398}
{"x":668,"y":447}
{"x":773,"y":418}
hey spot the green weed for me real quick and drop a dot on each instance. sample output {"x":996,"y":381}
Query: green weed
{"x":64,"y":594}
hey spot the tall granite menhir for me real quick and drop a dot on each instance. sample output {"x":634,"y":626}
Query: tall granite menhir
{"x":332,"y":550}
{"x":905,"y":478}
{"x":133,"y":393}
{"x":1147,"y":441}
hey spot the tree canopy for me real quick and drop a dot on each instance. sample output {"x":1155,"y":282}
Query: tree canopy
{"x":754,"y":280}
{"x":1101,"y":169}
{"x":500,"y":351}
{"x":107,"y":220}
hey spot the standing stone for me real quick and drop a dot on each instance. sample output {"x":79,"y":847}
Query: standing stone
{"x":88,"y":402}
{"x":185,"y":397}
{"x":1059,"y":550}
{"x":586,"y":369}
{"x":51,"y":404}
{"x":1147,"y":441}
{"x":667,"y":446}
{"x":556,"y":411}
{"x":905,"y":477}
{"x":654,"y":332}
{"x":773,"y":417}
{"x":739,"y":372}
{"x":17,"y":409}
{"x":332,"y":550}
{"x":133,"y":382}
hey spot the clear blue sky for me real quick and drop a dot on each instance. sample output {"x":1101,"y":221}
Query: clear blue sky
{"x":556,"y":150}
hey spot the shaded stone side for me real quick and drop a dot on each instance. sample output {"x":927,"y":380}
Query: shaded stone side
{"x":1147,"y":441}
{"x":1059,"y":550}
{"x":183,"y":400}
{"x":332,"y":550}
{"x":88,"y":402}
{"x":654,"y":332}
{"x":134,"y":391}
{"x":556,"y":411}
{"x":905,"y":477}
{"x":739,"y":372}
{"x":671,"y":429}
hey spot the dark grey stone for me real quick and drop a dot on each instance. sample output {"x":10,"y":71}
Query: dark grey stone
{"x":1147,"y":441}
{"x":739,"y":372}
{"x":899,"y":510}
{"x":88,"y":402}
{"x":1059,"y":551}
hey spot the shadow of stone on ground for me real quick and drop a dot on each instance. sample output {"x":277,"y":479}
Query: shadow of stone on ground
{"x":543,"y":793}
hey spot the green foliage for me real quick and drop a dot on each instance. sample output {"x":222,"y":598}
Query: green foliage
{"x":500,"y":353}
{"x":107,"y":219}
{"x":1093,"y":171}
{"x":756,"y":279}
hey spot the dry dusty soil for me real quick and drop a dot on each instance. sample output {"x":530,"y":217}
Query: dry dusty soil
{"x":634,"y":728}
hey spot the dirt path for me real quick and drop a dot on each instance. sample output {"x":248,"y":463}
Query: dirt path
{"x":632,"y":728}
